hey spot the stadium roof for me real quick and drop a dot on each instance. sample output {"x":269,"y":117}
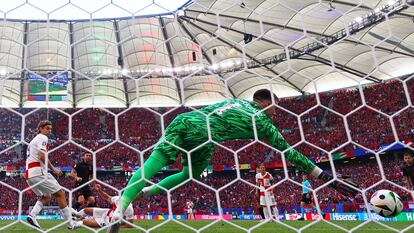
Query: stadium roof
{"x":205,"y":52}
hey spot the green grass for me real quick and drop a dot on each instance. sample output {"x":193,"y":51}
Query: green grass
{"x":173,"y":227}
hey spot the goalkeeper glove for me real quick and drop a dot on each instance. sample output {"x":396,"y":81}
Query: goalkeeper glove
{"x":345,"y":190}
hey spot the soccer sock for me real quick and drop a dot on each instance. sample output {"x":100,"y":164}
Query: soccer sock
{"x":66,"y":214}
{"x":261,"y":212}
{"x":82,"y":213}
{"x":169,"y":182}
{"x":36,"y":209}
{"x":173,"y":180}
{"x":275,"y":212}
{"x":302,"y":211}
{"x":266,"y":212}
{"x":154,"y":163}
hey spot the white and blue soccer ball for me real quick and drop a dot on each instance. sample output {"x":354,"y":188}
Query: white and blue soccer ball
{"x":386,"y":203}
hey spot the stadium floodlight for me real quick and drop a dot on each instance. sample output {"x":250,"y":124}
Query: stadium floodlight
{"x":125,"y":72}
{"x":391,"y":2}
{"x":177,"y":69}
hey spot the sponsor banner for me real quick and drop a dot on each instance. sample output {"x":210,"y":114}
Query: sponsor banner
{"x":292,"y":216}
{"x":166,"y":216}
{"x":345,"y":217}
{"x":307,"y":216}
{"x":313,"y":216}
{"x":255,"y":217}
{"x":405,"y":217}
{"x":9,"y":217}
{"x":249,"y":217}
{"x":212,"y":217}
{"x":402,"y":217}
{"x":144,"y":217}
{"x":41,"y":217}
{"x":179,"y":217}
{"x":365,"y":217}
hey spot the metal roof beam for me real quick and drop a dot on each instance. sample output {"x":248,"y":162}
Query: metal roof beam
{"x":248,"y":55}
{"x":293,"y":29}
{"x":121,"y":58}
{"x":204,"y":53}
{"x":170,"y":56}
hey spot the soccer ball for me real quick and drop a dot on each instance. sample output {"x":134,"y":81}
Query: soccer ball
{"x":386,"y":203}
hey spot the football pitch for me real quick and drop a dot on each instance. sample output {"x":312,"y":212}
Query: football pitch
{"x":174,"y":227}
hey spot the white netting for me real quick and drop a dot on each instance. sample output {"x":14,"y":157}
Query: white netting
{"x":111,"y":86}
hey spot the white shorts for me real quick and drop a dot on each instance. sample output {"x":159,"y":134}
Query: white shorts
{"x":267,"y":200}
{"x":101,"y":216}
{"x":189,"y":211}
{"x":46,"y":185}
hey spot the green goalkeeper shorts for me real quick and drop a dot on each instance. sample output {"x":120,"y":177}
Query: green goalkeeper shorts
{"x":187,"y":131}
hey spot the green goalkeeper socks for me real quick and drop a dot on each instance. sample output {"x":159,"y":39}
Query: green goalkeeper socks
{"x":176,"y":179}
{"x":154,"y":163}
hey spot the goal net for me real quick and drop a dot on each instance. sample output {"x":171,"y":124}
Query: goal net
{"x":113,"y":78}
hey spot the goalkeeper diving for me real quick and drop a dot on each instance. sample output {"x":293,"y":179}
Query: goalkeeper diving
{"x":228,"y":120}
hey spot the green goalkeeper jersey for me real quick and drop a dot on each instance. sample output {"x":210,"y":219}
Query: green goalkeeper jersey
{"x":228,"y":120}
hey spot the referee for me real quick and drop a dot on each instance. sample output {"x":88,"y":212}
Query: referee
{"x":82,"y":173}
{"x":306,"y":196}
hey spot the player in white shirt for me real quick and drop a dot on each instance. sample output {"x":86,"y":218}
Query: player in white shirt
{"x":258,"y":196}
{"x":102,"y":217}
{"x":42,"y":183}
{"x":189,"y":210}
{"x":267,"y":198}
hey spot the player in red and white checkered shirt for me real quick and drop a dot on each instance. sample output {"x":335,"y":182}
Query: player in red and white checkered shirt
{"x":264,"y":181}
{"x":189,"y":210}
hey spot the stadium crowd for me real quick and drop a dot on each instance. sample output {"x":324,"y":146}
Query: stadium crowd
{"x":140,"y":128}
{"x":238,"y":194}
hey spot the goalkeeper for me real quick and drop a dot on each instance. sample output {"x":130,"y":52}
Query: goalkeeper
{"x":228,"y":120}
